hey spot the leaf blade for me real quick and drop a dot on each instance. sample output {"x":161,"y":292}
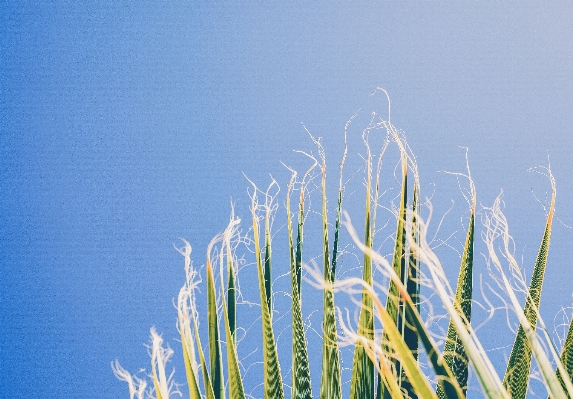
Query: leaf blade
{"x":454,"y":352}
{"x":301,"y":385}
{"x":273,"y":385}
{"x":516,"y":377}
{"x":362,"y":382}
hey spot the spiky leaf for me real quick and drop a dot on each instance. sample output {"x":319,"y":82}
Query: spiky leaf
{"x":454,"y":352}
{"x":236,"y":388}
{"x":567,"y":357}
{"x":273,"y":385}
{"x":330,"y":386}
{"x":216,"y":360}
{"x":394,"y":307}
{"x":301,"y":386}
{"x":362,"y":383}
{"x":516,"y":377}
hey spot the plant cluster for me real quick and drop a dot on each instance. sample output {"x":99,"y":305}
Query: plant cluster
{"x":391,"y":335}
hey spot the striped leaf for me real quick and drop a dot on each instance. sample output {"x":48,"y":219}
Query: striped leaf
{"x":409,"y":365}
{"x":330,"y":386}
{"x":567,"y":357}
{"x":454,"y":352}
{"x":301,"y":386}
{"x":549,"y":378}
{"x":485,"y":372}
{"x":413,"y":318}
{"x":413,"y":288}
{"x":516,"y":377}
{"x":551,"y":381}
{"x":362,"y":383}
{"x":273,"y":385}
{"x":395,"y":339}
{"x":236,"y":388}
{"x":394,"y":307}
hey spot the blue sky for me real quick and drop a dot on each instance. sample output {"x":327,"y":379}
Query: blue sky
{"x":126,"y":126}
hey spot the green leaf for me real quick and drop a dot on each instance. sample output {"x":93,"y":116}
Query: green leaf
{"x":216,"y":360}
{"x":236,"y":388}
{"x":206,"y":379}
{"x":330,"y":386}
{"x":413,"y":288}
{"x":516,"y":377}
{"x":186,"y":312}
{"x":301,"y":385}
{"x":362,"y":383}
{"x":394,"y":306}
{"x":549,"y":378}
{"x":413,"y":319}
{"x":412,"y":282}
{"x":192,"y":379}
{"x":454,"y":352}
{"x":231,"y":300}
{"x":395,"y":339}
{"x":268,"y":266}
{"x":409,"y":365}
{"x":567,"y":357}
{"x":485,"y":372}
{"x":273,"y":385}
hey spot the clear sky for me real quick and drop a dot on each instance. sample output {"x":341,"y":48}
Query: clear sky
{"x":126,"y":125}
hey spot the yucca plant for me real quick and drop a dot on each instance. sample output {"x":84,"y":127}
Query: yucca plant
{"x":390,"y":338}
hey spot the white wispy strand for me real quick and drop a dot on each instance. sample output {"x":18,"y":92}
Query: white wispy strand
{"x":136,"y":385}
{"x":159,"y":358}
{"x":186,"y":309}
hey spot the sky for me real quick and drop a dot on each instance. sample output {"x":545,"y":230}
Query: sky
{"x":125,"y":126}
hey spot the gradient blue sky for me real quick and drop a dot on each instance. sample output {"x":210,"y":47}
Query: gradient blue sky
{"x":126,"y":125}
